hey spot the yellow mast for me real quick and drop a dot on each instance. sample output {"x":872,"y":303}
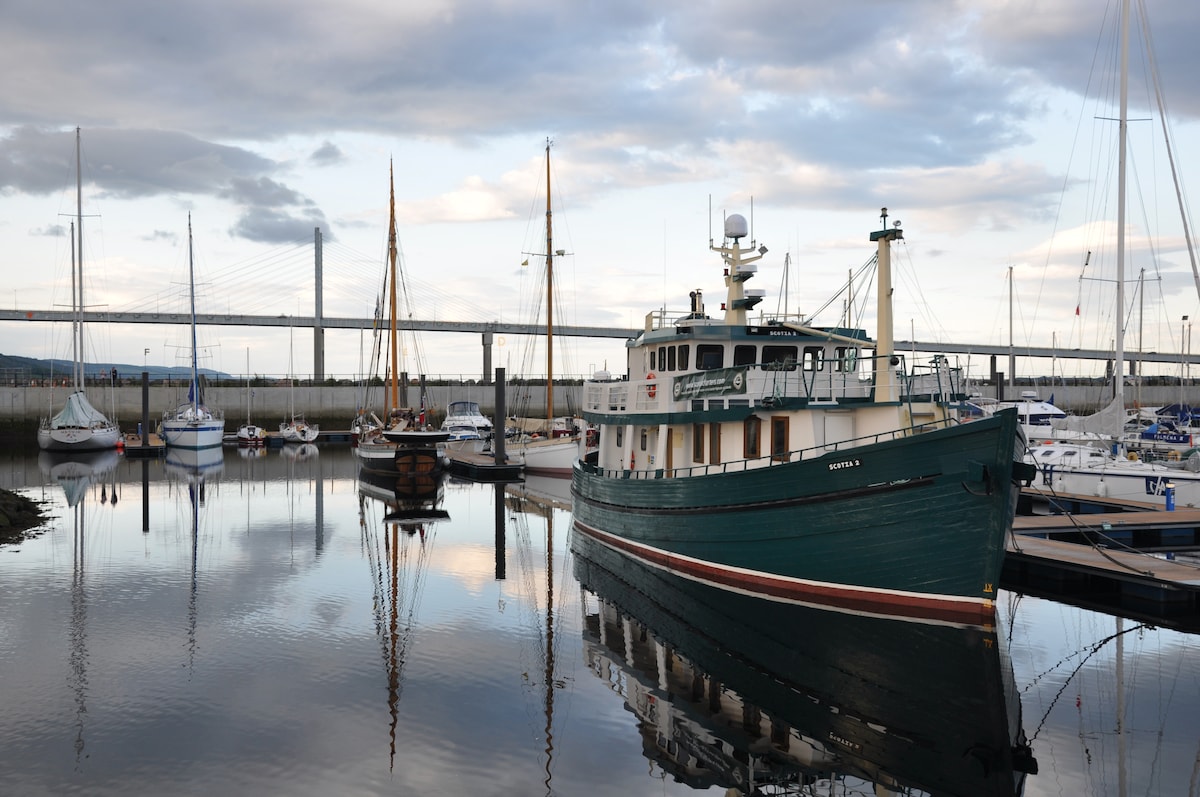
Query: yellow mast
{"x":395,"y":377}
{"x":549,"y":304}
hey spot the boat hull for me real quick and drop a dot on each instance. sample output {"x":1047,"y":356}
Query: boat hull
{"x":193,"y":434}
{"x":385,"y":457}
{"x":912,"y":525}
{"x":555,"y":456}
{"x":78,"y":439}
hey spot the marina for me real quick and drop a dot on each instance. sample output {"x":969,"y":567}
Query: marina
{"x":281,"y":626}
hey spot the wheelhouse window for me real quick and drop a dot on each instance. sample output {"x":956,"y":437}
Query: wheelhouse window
{"x":709,"y":357}
{"x":697,"y":442}
{"x":671,"y":358}
{"x":653,"y":360}
{"x":645,"y":438}
{"x":780,"y":358}
{"x":847,"y":359}
{"x":814,"y":358}
{"x":745,"y":355}
{"x":683,"y":357}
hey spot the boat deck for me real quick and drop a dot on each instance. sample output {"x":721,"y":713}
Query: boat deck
{"x":482,"y":467}
{"x":135,"y":445}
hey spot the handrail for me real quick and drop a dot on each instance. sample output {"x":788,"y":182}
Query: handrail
{"x":769,"y":460}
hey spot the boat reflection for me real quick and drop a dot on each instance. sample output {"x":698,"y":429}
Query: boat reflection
{"x":301,"y":452}
{"x":751,"y":694}
{"x":75,"y":471}
{"x":397,"y":518}
{"x":194,"y":464}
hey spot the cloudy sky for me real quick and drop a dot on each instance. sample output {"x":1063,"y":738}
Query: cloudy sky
{"x":983,"y":126}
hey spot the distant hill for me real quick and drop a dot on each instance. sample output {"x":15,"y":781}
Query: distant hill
{"x":13,"y":365}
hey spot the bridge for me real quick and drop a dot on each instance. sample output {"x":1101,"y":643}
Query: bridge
{"x":488,"y":330}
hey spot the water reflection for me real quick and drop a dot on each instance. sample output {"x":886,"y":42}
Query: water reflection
{"x":539,"y":496}
{"x":76,"y":471}
{"x":743,"y":693}
{"x":398,"y":516}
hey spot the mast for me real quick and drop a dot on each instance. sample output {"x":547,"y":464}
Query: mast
{"x":549,"y":303}
{"x":247,"y":385}
{"x":195,"y":391}
{"x":394,"y":383}
{"x":886,"y":389}
{"x":77,"y":268}
{"x":1123,"y":132}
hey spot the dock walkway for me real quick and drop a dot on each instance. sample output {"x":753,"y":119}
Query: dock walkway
{"x":1111,"y":556}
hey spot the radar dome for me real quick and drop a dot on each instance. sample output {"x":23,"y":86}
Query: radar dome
{"x":735,"y":226}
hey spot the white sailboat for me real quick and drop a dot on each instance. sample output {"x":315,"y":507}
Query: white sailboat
{"x":249,"y":434}
{"x":550,"y":446}
{"x":78,"y":426}
{"x":193,"y":424}
{"x":1080,"y":468}
{"x":296,"y":429}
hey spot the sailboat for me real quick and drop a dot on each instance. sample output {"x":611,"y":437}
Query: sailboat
{"x":550,"y":446}
{"x":78,"y":426}
{"x":404,"y":442}
{"x":248,"y":434}
{"x":193,"y":424}
{"x":1082,"y":469}
{"x":296,"y":429}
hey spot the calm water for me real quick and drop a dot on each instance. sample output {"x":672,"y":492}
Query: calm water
{"x":276,"y":629}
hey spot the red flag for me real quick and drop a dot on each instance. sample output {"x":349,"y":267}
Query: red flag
{"x":1076,"y":309}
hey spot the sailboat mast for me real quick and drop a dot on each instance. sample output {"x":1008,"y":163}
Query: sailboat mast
{"x":77,"y":268}
{"x":549,"y":302}
{"x":195,"y":391}
{"x":1119,"y":354}
{"x":395,"y":376}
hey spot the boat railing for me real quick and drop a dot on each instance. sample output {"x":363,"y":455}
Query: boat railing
{"x":766,"y":461}
{"x":936,"y":380}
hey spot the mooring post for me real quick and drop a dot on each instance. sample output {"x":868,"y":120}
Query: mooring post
{"x":498,"y":424}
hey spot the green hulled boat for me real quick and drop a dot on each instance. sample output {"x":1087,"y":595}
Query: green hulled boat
{"x":808,"y":463}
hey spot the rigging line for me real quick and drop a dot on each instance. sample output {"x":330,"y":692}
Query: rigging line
{"x":1162,"y":113}
{"x":811,"y":318}
{"x":1095,"y":648}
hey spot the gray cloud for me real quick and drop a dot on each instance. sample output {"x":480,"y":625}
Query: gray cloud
{"x":649,"y":93}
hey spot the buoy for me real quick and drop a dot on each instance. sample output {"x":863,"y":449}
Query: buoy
{"x":1173,"y":455}
{"x":120,"y":445}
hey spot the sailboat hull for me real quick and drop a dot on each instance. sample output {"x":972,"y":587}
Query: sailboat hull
{"x":193,"y":433}
{"x":77,"y":439}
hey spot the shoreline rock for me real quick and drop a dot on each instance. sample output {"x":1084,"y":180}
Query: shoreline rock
{"x":18,"y":516}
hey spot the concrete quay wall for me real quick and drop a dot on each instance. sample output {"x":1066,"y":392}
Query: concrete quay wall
{"x":333,"y":406}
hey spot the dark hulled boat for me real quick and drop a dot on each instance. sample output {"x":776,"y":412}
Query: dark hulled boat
{"x":813,"y":464}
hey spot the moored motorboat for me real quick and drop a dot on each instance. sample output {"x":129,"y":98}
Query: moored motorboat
{"x":785,"y":459}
